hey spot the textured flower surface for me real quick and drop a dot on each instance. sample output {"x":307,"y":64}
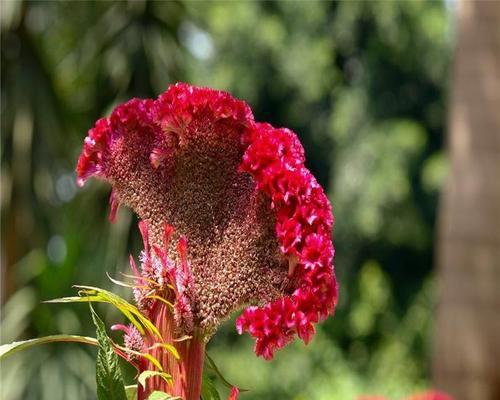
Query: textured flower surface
{"x":250,"y":225}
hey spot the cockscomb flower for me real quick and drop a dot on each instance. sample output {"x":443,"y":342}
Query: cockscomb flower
{"x":248,"y":224}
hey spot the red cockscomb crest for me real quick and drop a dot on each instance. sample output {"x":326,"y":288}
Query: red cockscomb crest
{"x":182,"y":103}
{"x":258,"y":223}
{"x":95,"y":146}
{"x":303,"y":228}
{"x":99,"y":144}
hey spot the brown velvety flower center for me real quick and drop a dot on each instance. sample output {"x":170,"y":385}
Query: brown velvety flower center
{"x":230,"y":228}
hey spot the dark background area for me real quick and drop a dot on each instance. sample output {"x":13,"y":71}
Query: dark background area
{"x":364,"y":85}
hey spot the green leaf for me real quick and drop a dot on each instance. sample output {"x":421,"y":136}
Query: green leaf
{"x":149,"y":357}
{"x":131,"y":392}
{"x":159,"y":298}
{"x":171,"y":349}
{"x":96,"y":295}
{"x":124,"y":284}
{"x":14,"y":347}
{"x":157,"y":395}
{"x":149,"y":374}
{"x":208,"y":389}
{"x":109,"y":378}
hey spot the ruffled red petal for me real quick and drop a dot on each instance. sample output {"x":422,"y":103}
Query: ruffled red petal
{"x":304,"y":222}
{"x":94,"y":153}
{"x":100,"y":141}
{"x":175,"y":108}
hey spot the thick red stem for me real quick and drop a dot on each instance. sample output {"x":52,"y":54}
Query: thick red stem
{"x":186,"y":372}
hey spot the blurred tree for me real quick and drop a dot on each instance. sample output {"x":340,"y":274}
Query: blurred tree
{"x":467,"y":346}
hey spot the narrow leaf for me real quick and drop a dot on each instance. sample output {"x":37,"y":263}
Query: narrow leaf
{"x":129,"y":310}
{"x":159,"y":298}
{"x":183,"y":338}
{"x":141,"y":278}
{"x":12,"y":348}
{"x":171,"y":349}
{"x":148,"y":356}
{"x":208,"y":389}
{"x":97,"y":295}
{"x":149,"y":374}
{"x":125,"y":284}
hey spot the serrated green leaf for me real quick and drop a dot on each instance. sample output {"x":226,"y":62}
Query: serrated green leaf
{"x":14,"y":347}
{"x":131,"y":392}
{"x":157,"y":395}
{"x":109,"y":378}
{"x":208,"y":389}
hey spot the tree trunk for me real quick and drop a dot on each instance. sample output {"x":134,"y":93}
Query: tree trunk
{"x":467,"y":346}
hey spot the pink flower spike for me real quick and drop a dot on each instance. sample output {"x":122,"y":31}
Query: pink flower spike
{"x":132,"y":338}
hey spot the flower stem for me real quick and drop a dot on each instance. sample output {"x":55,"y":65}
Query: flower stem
{"x":189,"y":378}
{"x":186,"y":372}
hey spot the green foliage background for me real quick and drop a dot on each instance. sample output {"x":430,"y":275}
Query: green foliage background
{"x":362,"y":83}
